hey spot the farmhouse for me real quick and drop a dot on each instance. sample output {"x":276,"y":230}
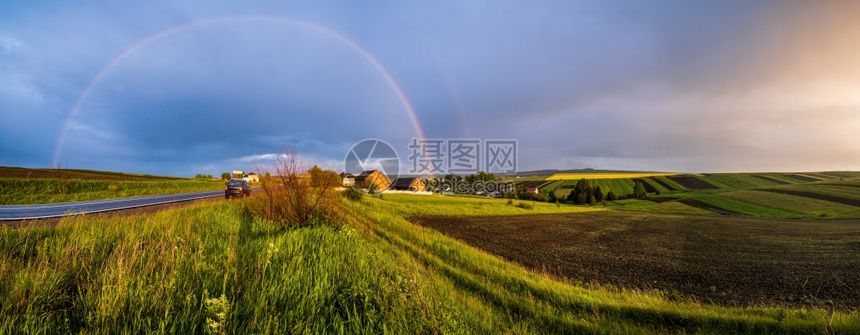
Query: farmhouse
{"x":348,"y":178}
{"x":413,"y":184}
{"x":252,"y":177}
{"x":532,"y":190}
{"x":365,"y":178}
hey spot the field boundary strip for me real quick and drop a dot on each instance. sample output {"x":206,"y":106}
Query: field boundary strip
{"x":819,"y":196}
{"x":803,"y":178}
{"x":577,"y":176}
{"x":769,"y":179}
{"x":648,"y":187}
{"x":692,"y":183}
{"x":711,"y":208}
{"x":663,"y":183}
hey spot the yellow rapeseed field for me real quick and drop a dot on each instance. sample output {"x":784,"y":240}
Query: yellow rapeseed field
{"x":577,"y":176}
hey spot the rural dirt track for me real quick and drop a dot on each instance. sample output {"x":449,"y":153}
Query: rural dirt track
{"x":731,"y":261}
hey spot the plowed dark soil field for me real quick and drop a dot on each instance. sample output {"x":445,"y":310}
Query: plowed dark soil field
{"x":725,"y":260}
{"x":648,"y":187}
{"x":802,"y":178}
{"x":692,"y":183}
{"x":772,"y":180}
{"x":663,"y":183}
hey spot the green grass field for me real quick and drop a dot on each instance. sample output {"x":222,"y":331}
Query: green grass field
{"x":41,"y":191}
{"x":32,"y":173}
{"x":214,"y":268}
{"x":20,"y":186}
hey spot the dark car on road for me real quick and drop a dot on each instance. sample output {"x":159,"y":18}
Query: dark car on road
{"x":237,"y":187}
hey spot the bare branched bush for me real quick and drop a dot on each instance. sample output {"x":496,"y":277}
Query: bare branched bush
{"x":291,"y":199}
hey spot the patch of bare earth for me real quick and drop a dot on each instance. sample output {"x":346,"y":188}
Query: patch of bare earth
{"x":734,"y":261}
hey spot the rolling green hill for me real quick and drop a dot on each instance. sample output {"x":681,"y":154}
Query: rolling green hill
{"x":776,"y":195}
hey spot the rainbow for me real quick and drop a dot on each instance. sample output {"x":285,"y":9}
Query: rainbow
{"x":175,"y":29}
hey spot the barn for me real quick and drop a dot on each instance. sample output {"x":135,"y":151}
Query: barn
{"x":413,"y":184}
{"x":366,"y":177}
{"x":348,"y":178}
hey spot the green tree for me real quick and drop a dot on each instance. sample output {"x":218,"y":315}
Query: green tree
{"x":639,"y":190}
{"x":598,"y":193}
{"x":320,"y":177}
{"x":353,"y":193}
{"x":373,"y":189}
{"x":581,"y":192}
{"x":581,"y":198}
{"x":551,"y":197}
{"x":225,"y":176}
{"x":611,"y":196}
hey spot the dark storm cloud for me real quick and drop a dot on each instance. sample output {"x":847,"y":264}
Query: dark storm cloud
{"x":698,"y":86}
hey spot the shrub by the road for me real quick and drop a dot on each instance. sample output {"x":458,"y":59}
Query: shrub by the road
{"x":292,"y":198}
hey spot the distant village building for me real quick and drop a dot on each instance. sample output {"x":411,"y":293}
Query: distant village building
{"x":413,"y":184}
{"x":532,"y":190}
{"x":252,"y":177}
{"x":374,"y":176}
{"x":348,"y":179}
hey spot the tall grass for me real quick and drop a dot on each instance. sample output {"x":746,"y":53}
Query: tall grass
{"x":216,"y":268}
{"x":207,"y":268}
{"x":20,"y":191}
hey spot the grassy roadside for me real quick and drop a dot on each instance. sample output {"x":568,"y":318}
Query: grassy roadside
{"x":214,"y":268}
{"x":407,"y":205}
{"x":20,"y":191}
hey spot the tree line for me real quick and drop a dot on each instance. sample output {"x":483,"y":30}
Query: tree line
{"x":583,"y":193}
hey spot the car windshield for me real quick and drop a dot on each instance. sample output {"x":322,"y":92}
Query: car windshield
{"x":235,"y":183}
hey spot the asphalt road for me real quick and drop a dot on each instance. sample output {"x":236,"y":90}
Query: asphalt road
{"x":28,"y":212}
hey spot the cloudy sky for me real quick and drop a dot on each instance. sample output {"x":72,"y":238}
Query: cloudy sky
{"x":186,"y":87}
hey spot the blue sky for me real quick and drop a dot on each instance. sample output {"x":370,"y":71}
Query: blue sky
{"x":186,"y":87}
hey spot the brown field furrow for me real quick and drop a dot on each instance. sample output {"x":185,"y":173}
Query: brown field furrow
{"x":843,"y":185}
{"x":819,"y":196}
{"x":709,"y":207}
{"x":802,"y":178}
{"x":692,"y":183}
{"x":730,"y":261}
{"x":772,"y":180}
{"x":660,"y":199}
{"x":648,"y":187}
{"x":663,"y":183}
